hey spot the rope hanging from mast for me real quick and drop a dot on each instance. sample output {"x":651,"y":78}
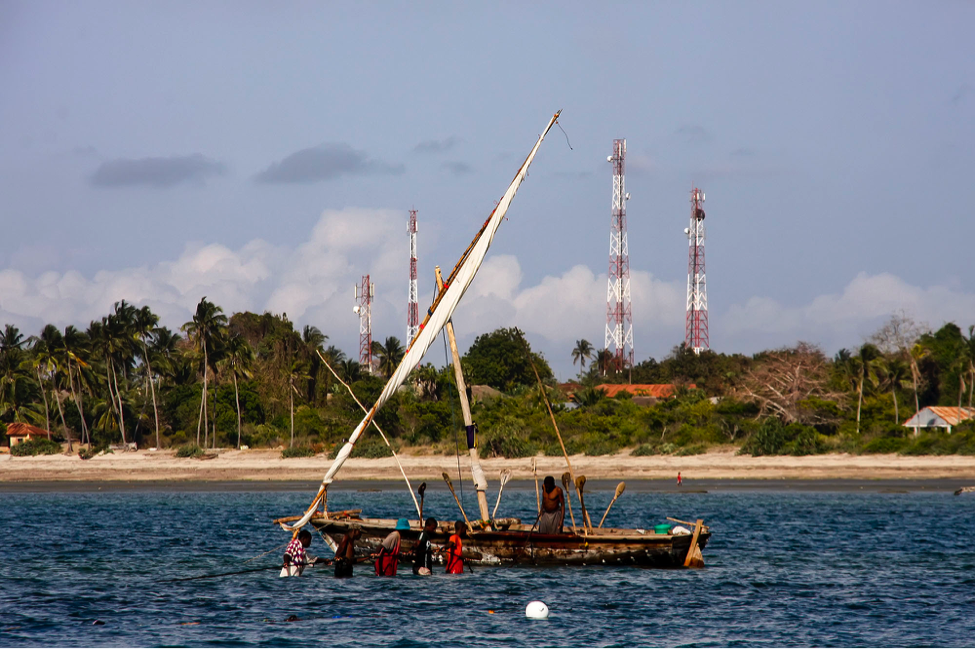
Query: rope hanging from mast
{"x":381,"y":434}
{"x":447,"y":300}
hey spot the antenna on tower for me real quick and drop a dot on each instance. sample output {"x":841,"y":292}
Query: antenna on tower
{"x":619,"y":315}
{"x":696,"y":335}
{"x":412,"y":308}
{"x":364,"y":295}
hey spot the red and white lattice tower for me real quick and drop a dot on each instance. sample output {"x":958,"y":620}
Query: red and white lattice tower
{"x":696,"y":336}
{"x":413,"y":307}
{"x":619,"y":315}
{"x":364,"y":295}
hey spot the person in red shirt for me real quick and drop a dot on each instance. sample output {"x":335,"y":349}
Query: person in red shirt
{"x":388,"y":557}
{"x":455,"y":550}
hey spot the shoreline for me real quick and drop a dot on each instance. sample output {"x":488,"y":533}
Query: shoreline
{"x":639,"y":486}
{"x":267,"y":471}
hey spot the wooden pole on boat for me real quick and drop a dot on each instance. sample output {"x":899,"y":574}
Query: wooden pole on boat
{"x":480,"y":481}
{"x":421,"y":490}
{"x":541,"y":389}
{"x":580,"y":484}
{"x":450,"y":485}
{"x":566,"y":478}
{"x":690,"y":559}
{"x":538,"y":497}
{"x":619,"y":492}
{"x":381,"y":434}
{"x":505,"y":476}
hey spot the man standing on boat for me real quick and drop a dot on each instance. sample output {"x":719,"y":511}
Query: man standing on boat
{"x":553,"y":508}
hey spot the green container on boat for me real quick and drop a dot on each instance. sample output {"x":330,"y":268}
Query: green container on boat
{"x":662,"y":528}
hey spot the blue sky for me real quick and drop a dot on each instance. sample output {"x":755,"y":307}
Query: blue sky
{"x":265,"y":155}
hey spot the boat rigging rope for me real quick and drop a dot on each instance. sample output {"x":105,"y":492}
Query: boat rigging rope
{"x":381,"y":434}
{"x":264,"y":554}
{"x":453,"y":423}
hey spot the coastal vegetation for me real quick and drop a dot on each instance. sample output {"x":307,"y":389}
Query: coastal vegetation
{"x":255,"y":380}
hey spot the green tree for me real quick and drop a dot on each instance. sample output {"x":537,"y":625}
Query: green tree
{"x":390,"y":354}
{"x":296,"y":374}
{"x":582,"y":352}
{"x":500,"y":359}
{"x":238,"y":355}
{"x":313,"y":339}
{"x":969,"y":356}
{"x":350,"y":370}
{"x":144,"y":323}
{"x":76,"y":353}
{"x":605,"y":362}
{"x":894,"y":374}
{"x":111,"y":340}
{"x":205,"y":331}
{"x":867,"y":358}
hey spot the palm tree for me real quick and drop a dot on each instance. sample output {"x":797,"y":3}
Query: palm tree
{"x":238,"y":355}
{"x":75,"y":354}
{"x":112,"y":340}
{"x":313,"y":339}
{"x":582,"y":352}
{"x":389,"y":354}
{"x":351,"y":371}
{"x":296,"y":374}
{"x":894,"y":373}
{"x":604,"y":361}
{"x":41,"y":361}
{"x":866,"y":363}
{"x":969,"y":352}
{"x":335,"y":358}
{"x":50,"y":354}
{"x":144,"y":323}
{"x":918,"y":352}
{"x":205,"y":330}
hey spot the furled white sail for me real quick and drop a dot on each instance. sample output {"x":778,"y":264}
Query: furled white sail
{"x":440,"y":312}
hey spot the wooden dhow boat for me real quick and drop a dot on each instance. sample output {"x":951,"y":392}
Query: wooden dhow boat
{"x":493,"y":541}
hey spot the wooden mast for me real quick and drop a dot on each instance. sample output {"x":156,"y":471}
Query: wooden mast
{"x":480,"y":482}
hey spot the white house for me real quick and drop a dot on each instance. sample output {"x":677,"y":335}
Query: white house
{"x":940,"y":417}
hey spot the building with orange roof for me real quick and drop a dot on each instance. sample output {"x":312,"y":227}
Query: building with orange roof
{"x":19,"y":432}
{"x":940,"y":417}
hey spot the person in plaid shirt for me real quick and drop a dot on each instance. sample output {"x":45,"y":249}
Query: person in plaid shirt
{"x":295,"y":557}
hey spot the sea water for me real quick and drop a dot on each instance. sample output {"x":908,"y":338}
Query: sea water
{"x":783,"y":568}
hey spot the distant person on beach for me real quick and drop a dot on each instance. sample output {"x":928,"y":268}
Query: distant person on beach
{"x":455,"y":549}
{"x":553,"y":508}
{"x":679,"y":481}
{"x":296,"y":559}
{"x":423,"y":549}
{"x":345,"y":553}
{"x":388,"y":557}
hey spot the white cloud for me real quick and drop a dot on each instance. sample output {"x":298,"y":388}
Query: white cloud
{"x":843,"y":319}
{"x":313,"y":282}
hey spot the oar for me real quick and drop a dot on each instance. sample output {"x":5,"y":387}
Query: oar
{"x":580,"y":484}
{"x":422,"y":489}
{"x":619,"y":492}
{"x":568,"y":499}
{"x":505,"y":476}
{"x":538,"y":498}
{"x":450,"y":485}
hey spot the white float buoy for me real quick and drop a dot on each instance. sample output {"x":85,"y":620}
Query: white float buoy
{"x":536,"y":611}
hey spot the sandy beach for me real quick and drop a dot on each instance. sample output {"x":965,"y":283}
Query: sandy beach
{"x":267,"y":466}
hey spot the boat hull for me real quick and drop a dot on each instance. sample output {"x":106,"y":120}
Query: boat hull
{"x":521,"y":545}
